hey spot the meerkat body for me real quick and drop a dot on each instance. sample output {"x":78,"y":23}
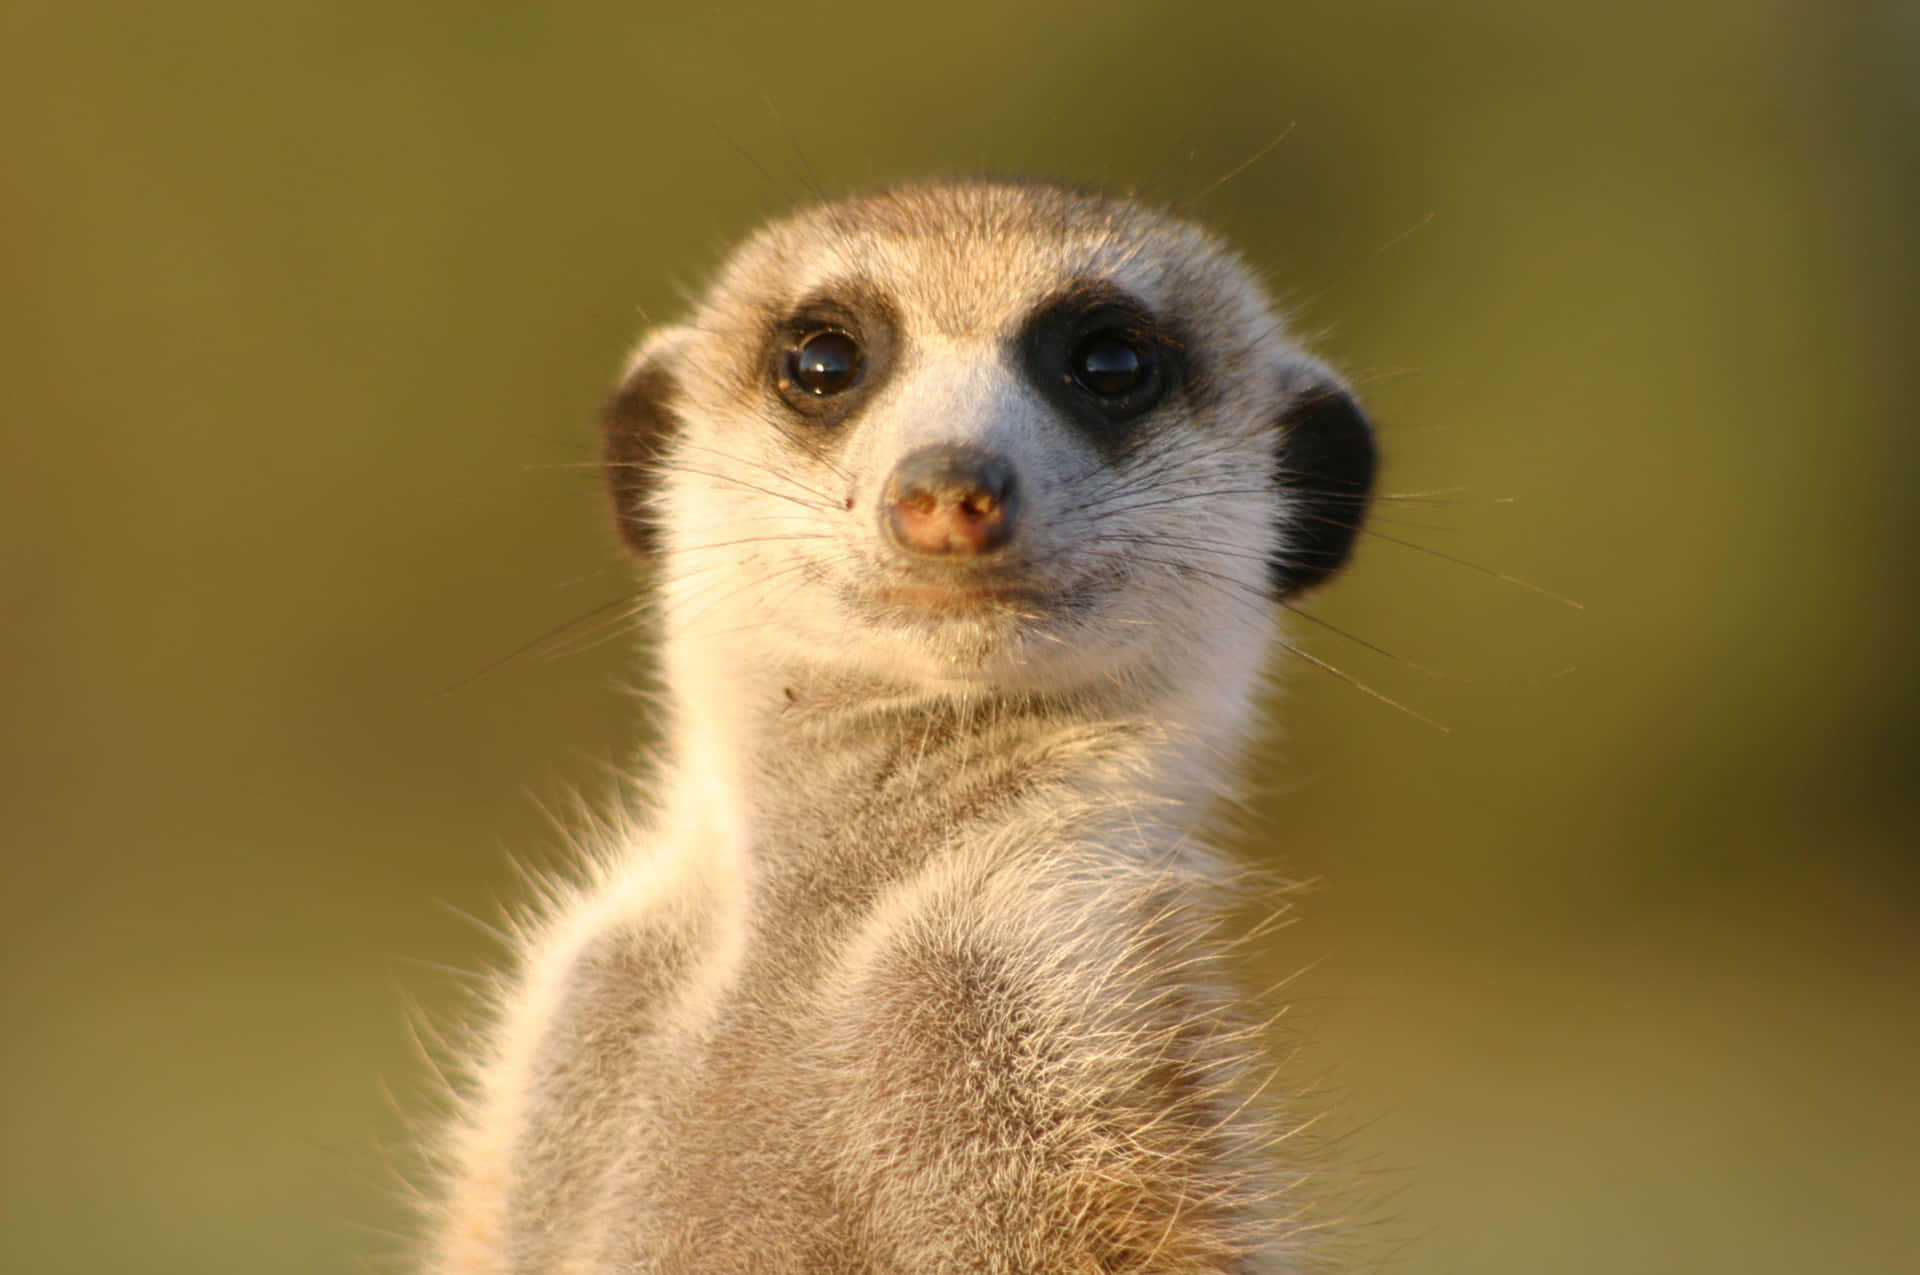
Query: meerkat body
{"x":969,"y":503}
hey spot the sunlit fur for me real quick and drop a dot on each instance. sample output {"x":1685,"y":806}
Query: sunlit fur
{"x":908,"y":957}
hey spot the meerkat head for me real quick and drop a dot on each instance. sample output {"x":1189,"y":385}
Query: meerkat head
{"x":985,"y":434}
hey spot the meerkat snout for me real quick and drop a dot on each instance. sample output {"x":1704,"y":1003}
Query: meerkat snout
{"x":955,"y":500}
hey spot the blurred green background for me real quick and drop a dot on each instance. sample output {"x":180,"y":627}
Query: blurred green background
{"x":306,"y":311}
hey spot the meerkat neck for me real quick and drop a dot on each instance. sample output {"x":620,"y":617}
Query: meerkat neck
{"x":807,"y":751}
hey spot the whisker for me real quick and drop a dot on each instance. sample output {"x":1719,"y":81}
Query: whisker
{"x":791,"y":538}
{"x":762,"y":466}
{"x":1378,"y":650}
{"x":678,"y":467}
{"x":1201,"y":493}
{"x":1362,"y":687}
{"x":1471,"y":566}
{"x":1238,"y":589}
{"x":1381,"y":250}
{"x":761,"y":619}
{"x":688,"y":618}
{"x":599,"y":634}
{"x":1243,"y":165}
{"x":530,"y":646}
{"x":1441,"y":496}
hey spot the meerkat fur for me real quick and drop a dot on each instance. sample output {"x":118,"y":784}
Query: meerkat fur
{"x":966,"y":506}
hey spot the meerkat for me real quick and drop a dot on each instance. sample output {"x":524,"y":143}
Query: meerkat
{"x":966,"y":506}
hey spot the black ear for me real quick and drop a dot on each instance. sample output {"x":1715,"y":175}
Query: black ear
{"x":637,"y":425}
{"x":1324,"y":467}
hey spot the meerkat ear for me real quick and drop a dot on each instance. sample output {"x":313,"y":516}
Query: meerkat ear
{"x":637,"y":424}
{"x":1324,"y":465}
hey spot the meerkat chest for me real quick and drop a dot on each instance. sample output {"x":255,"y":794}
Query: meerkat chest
{"x":936,"y":1066}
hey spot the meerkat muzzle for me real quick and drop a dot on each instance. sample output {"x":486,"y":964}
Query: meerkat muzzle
{"x":952,"y":500}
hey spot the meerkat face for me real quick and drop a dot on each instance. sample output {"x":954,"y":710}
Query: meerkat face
{"x":984,"y":434}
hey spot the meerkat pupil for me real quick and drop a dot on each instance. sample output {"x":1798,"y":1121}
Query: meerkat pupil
{"x":826,"y":363}
{"x":1109,"y":365}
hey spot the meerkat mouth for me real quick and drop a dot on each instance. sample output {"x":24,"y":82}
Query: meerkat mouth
{"x":958,"y":590}
{"x":1006,"y":598}
{"x":958,"y":598}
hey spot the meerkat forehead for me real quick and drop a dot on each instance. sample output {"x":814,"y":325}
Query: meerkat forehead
{"x":970,"y":259}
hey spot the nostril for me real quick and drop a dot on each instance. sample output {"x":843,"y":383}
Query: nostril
{"x":954,"y":500}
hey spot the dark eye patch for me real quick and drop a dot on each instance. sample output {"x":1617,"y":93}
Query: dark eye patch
{"x":1102,"y":359}
{"x":827,"y":356}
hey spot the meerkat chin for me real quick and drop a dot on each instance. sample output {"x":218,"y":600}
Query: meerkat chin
{"x":967,"y":506}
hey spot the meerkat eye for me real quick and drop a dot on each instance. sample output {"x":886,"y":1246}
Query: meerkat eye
{"x":825,"y":363}
{"x":1102,"y":358}
{"x":1110,"y":364}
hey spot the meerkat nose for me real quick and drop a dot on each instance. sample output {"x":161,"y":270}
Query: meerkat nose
{"x":957,"y":500}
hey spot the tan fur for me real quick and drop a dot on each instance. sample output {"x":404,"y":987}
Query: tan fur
{"x":910,"y":958}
